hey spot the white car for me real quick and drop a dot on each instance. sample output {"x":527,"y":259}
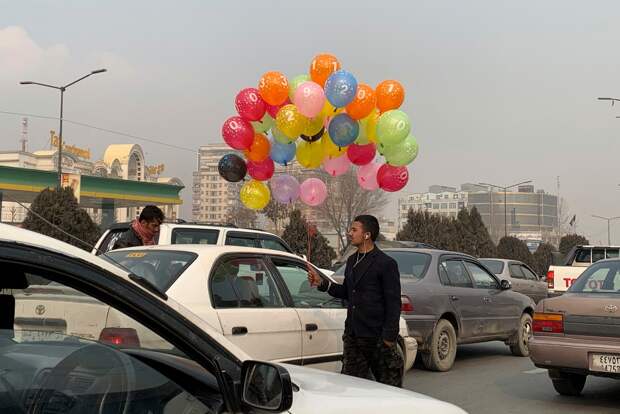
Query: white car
{"x":259,"y":299}
{"x":46,"y":365}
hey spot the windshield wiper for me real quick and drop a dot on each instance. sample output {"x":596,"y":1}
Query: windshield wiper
{"x":148,"y":285}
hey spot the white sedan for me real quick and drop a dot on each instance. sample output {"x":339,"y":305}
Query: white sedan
{"x":149,"y":353}
{"x":259,"y":299}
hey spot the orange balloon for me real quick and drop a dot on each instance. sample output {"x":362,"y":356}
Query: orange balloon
{"x":259,"y":150}
{"x":390,"y":95}
{"x":363,"y":103}
{"x":273,"y":88}
{"x":322,"y":66}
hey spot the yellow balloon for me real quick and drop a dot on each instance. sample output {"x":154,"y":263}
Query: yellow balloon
{"x":255,"y":195}
{"x":290,"y":121}
{"x":329,"y":111}
{"x":310,"y":154}
{"x":371,"y":125}
{"x":330,"y":149}
{"x":314,"y":126}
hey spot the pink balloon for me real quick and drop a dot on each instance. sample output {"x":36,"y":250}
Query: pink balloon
{"x":391,"y":178}
{"x":262,"y":170}
{"x":238,"y":133}
{"x":361,"y":154}
{"x":273,"y":109}
{"x":313,"y":192}
{"x":309,"y":99}
{"x":367,"y":176}
{"x":250,"y":105}
{"x":336,"y":166}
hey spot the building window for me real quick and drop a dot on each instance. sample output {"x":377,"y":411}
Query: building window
{"x":461,"y":205}
{"x":444,"y":206}
{"x":455,"y":196}
{"x":435,"y":206}
{"x":452,"y":205}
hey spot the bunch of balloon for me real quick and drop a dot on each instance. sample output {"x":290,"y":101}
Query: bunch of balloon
{"x":324,"y":119}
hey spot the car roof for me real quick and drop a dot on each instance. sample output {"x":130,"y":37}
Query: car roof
{"x":501,"y":260}
{"x":196,"y":225}
{"x":434,"y":252}
{"x":212,"y":249}
{"x":24,"y":237}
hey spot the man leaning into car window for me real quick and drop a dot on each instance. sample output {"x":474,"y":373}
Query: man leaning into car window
{"x":372,"y":289}
{"x":144,"y":230}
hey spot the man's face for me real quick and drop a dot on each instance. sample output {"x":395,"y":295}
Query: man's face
{"x":152,"y":225}
{"x":356,"y":234}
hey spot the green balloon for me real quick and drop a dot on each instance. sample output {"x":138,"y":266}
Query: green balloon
{"x":280,"y":137}
{"x":362,"y":138}
{"x":403,"y":153}
{"x":392,"y":128}
{"x":264,"y":124}
{"x":294,"y":83}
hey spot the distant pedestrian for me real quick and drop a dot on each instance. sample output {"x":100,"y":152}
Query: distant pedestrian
{"x":144,"y":230}
{"x":371,"y":288}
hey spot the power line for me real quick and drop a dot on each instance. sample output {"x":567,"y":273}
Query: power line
{"x":110,"y":131}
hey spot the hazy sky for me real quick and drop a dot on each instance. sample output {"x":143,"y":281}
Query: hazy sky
{"x":498,"y":91}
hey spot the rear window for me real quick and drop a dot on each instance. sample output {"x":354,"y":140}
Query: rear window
{"x":195,"y":236}
{"x":160,"y":267}
{"x":583,"y":256}
{"x":599,"y":278}
{"x":411,"y":265}
{"x":495,"y":266}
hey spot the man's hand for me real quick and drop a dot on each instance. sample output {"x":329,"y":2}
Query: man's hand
{"x":388,"y":343}
{"x":313,"y":277}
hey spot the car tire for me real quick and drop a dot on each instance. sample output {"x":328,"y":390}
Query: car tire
{"x":569,"y":384}
{"x":442,"y":349}
{"x":519,"y":345}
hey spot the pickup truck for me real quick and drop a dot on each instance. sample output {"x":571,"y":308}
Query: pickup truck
{"x":579,"y":258}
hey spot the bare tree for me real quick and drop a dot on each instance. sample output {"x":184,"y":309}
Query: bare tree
{"x":346,"y":200}
{"x":13,"y":211}
{"x":241,"y":216}
{"x":277,"y":213}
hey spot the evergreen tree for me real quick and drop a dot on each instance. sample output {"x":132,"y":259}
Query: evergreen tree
{"x":571,"y":240}
{"x":296,"y":234}
{"x":61,"y":208}
{"x":466,"y":238}
{"x":543,"y":258}
{"x":512,"y":248}
{"x":484,"y":244}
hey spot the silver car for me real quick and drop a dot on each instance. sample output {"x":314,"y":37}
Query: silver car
{"x":523,"y":278}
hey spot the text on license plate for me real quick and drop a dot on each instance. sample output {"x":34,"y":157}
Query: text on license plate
{"x":605,"y":363}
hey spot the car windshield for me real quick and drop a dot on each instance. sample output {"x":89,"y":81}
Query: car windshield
{"x":160,"y":267}
{"x":495,"y":266}
{"x":599,"y":278}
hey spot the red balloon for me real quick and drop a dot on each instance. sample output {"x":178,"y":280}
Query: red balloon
{"x":361,"y":154}
{"x":391,"y":178}
{"x":238,"y":133}
{"x":273,"y":109}
{"x":261,"y":171}
{"x":250,"y":105}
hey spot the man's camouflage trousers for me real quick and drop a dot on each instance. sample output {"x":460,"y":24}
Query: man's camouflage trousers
{"x":362,"y":356}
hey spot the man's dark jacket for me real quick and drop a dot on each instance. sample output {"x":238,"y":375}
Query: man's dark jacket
{"x":128,"y":239}
{"x":372,"y":292}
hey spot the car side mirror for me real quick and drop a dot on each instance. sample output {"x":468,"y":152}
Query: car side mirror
{"x":266,"y":386}
{"x":505,"y":284}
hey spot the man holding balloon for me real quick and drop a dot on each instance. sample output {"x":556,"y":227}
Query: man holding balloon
{"x":372,"y":290}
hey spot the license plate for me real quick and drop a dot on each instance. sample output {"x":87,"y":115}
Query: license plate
{"x":38,"y":336}
{"x":605,"y":363}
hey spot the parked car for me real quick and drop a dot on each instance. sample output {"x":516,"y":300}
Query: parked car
{"x":523,"y":278}
{"x":578,"y":333}
{"x":181,"y":364}
{"x":450,"y":298}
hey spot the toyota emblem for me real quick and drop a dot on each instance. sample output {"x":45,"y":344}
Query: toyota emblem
{"x":611,"y":308}
{"x":39,"y":310}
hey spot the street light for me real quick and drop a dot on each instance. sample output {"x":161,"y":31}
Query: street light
{"x":62,"y":95}
{"x":505,"y":188}
{"x":609,"y":220}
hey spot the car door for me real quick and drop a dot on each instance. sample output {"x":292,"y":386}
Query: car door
{"x":251,"y":309}
{"x":518,"y":280}
{"x":322,"y":316}
{"x":537,"y":286}
{"x":466,"y":302}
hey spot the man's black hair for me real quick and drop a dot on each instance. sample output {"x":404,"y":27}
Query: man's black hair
{"x":150,"y":213}
{"x":370,"y":224}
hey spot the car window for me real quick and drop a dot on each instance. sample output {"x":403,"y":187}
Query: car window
{"x":611,"y":253}
{"x":243,"y":283}
{"x":529,"y":274}
{"x":411,"y":265}
{"x":240,"y":241}
{"x":599,"y":278}
{"x":443,"y":275}
{"x":65,"y":350}
{"x":495,"y":266}
{"x":583,"y":256}
{"x":195,"y":236}
{"x":482,"y":279}
{"x":273,"y":244}
{"x":515,"y":271}
{"x":457,"y":275}
{"x":160,"y":267}
{"x":598,"y":254}
{"x":295,"y":278}
{"x":110,"y":239}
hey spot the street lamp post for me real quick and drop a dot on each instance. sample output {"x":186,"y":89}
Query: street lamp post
{"x":62,"y":97}
{"x":506,"y":188}
{"x":609,"y":220}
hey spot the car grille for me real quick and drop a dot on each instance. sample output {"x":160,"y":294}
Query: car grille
{"x":592,"y":326}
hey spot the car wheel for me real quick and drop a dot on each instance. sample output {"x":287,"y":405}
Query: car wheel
{"x":568,"y":384}
{"x":442,"y":348}
{"x":520,"y":343}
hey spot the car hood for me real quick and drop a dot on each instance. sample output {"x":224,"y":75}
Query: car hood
{"x":337,"y":393}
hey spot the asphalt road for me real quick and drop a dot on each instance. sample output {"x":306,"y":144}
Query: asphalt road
{"x":486,"y":378}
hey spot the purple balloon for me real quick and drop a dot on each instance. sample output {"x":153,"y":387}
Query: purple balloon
{"x":284,"y":188}
{"x":313,"y":192}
